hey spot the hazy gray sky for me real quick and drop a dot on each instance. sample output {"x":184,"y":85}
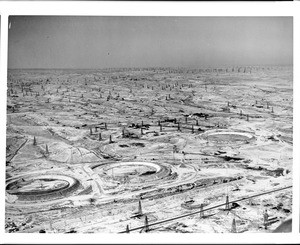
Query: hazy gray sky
{"x":100,"y":42}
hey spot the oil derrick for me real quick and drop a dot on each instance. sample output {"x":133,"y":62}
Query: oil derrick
{"x":146,"y":224}
{"x":110,"y":139}
{"x":100,"y":137}
{"x":266,"y":219}
{"x":201,"y":211}
{"x":127,"y":229}
{"x":34,"y":141}
{"x":175,"y":149}
{"x":233,"y":227}
{"x":227,"y":203}
{"x":140,"y":210}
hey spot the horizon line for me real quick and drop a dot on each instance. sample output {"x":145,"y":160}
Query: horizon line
{"x":151,"y":67}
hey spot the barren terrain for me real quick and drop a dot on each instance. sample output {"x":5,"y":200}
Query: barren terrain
{"x":84,"y":147}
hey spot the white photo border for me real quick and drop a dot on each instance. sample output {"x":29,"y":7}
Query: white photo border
{"x":123,"y":8}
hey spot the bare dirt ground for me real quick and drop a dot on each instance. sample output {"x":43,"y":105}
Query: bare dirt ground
{"x":84,"y":146}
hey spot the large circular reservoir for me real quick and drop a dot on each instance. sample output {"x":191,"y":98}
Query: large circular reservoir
{"x":132,"y":172}
{"x":228,"y":136}
{"x":41,"y":187}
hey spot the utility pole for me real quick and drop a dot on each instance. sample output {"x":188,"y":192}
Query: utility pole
{"x":266,"y":219}
{"x":146,"y":224}
{"x":201,"y":211}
